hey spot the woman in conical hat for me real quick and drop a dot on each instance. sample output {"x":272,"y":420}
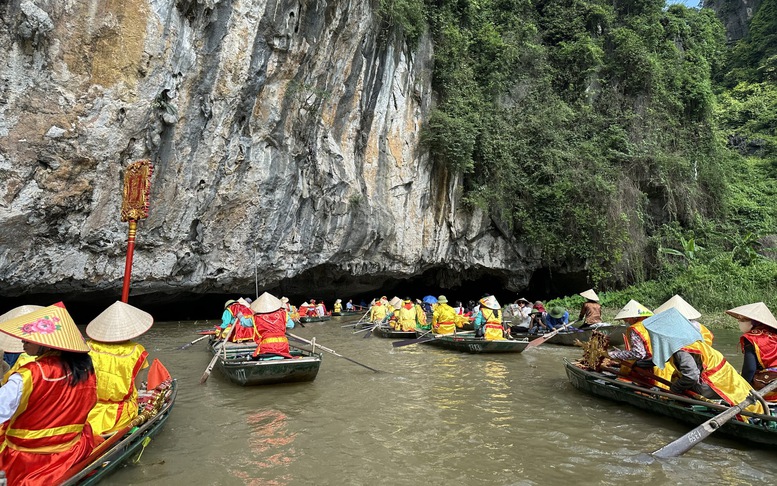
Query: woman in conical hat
{"x":591,"y":311}
{"x":488,"y":320}
{"x":46,"y":402}
{"x":237,"y":313}
{"x":13,"y":349}
{"x":270,"y":324}
{"x":759,"y":344}
{"x":638,"y":352}
{"x":687,"y":311}
{"x":117,"y":361}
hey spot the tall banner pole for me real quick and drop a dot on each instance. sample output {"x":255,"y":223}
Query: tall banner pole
{"x":134,"y":207}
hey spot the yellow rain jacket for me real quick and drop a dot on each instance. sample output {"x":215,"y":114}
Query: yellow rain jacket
{"x":443,"y":319}
{"x":406,"y":320}
{"x":116,"y":366}
{"x":378,"y":312}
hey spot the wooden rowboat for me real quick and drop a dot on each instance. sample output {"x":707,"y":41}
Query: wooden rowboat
{"x":388,"y":332}
{"x":309,"y":319}
{"x":155,"y":409}
{"x":471,"y":344}
{"x":681,"y":408}
{"x":241,"y":369}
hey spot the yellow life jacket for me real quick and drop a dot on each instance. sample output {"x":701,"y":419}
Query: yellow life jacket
{"x":378,"y":312}
{"x":116,"y":366}
{"x":493,"y":326}
{"x":407,"y":318}
{"x":721,"y":376}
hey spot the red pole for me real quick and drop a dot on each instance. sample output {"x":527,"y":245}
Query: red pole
{"x":133,"y":227}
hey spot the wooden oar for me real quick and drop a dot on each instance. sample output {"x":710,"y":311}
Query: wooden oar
{"x":212,"y":363}
{"x":331,"y":351}
{"x":686,"y":442}
{"x":189,"y":345}
{"x":547,"y":336}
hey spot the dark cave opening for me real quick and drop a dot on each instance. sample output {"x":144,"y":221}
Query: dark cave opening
{"x":321,"y":283}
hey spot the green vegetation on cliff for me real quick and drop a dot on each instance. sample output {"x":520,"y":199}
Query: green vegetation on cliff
{"x":595,"y":131}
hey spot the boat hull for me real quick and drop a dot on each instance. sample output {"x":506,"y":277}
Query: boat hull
{"x":594,"y":383}
{"x":109,"y":461}
{"x":471,"y":344}
{"x":568,"y":338}
{"x":240,"y":369}
{"x":389,"y":333}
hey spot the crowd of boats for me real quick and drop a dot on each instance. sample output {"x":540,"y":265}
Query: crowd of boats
{"x":253,"y":345}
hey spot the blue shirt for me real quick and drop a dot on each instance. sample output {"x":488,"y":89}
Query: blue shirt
{"x":557,"y":322}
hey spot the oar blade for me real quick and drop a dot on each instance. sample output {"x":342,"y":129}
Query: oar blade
{"x":682,"y":445}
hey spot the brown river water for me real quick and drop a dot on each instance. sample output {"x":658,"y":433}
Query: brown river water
{"x":435,"y":417}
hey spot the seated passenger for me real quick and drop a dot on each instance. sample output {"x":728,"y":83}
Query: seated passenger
{"x":117,"y":361}
{"x":45,"y":404}
{"x":488,"y":321}
{"x":591,"y":311}
{"x":444,"y":317}
{"x":270,"y":323}
{"x":557,"y":319}
{"x":237,"y":313}
{"x":13,"y":349}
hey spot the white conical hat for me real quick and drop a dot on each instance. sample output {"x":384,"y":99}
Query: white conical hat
{"x":51,"y":326}
{"x":119,"y":322}
{"x":396,"y":302}
{"x":266,"y":303}
{"x":756,"y":312}
{"x":491,"y":303}
{"x":681,"y":305}
{"x":11,"y":344}
{"x":590,"y":295}
{"x":633,"y":309}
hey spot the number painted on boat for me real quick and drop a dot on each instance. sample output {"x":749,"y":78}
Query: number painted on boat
{"x":241,"y":374}
{"x":475,"y":347}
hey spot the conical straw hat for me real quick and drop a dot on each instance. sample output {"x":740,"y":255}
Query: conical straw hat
{"x":633,"y":309}
{"x":119,"y":322}
{"x":10,"y":344}
{"x":756,"y":312}
{"x":51,"y":327}
{"x":491,"y":303}
{"x":395,"y":302}
{"x":681,"y":305}
{"x":590,"y":295}
{"x":266,"y":303}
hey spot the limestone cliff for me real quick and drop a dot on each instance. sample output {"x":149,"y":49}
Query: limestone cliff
{"x":285,"y":128}
{"x":735,"y":15}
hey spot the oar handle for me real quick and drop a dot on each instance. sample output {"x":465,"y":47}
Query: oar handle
{"x":324,"y":348}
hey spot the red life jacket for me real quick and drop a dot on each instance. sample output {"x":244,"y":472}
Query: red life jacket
{"x":270,"y":333}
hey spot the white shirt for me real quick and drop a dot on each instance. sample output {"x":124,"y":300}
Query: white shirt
{"x":10,"y":396}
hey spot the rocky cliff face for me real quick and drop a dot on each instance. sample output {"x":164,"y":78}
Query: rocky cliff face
{"x":735,"y":15}
{"x":285,"y":128}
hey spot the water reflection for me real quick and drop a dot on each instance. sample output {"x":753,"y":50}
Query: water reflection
{"x":270,"y":444}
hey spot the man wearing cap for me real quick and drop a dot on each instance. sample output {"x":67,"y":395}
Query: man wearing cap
{"x":488,"y":321}
{"x":237,"y":313}
{"x":759,"y":344}
{"x":557,"y":318}
{"x":270,"y":323}
{"x":45,"y":404}
{"x":117,"y":361}
{"x":444,"y":317}
{"x":591,"y":311}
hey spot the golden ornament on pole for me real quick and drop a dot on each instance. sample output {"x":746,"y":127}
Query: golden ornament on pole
{"x":137,"y":189}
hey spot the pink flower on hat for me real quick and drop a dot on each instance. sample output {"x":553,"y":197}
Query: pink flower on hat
{"x":44,"y":325}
